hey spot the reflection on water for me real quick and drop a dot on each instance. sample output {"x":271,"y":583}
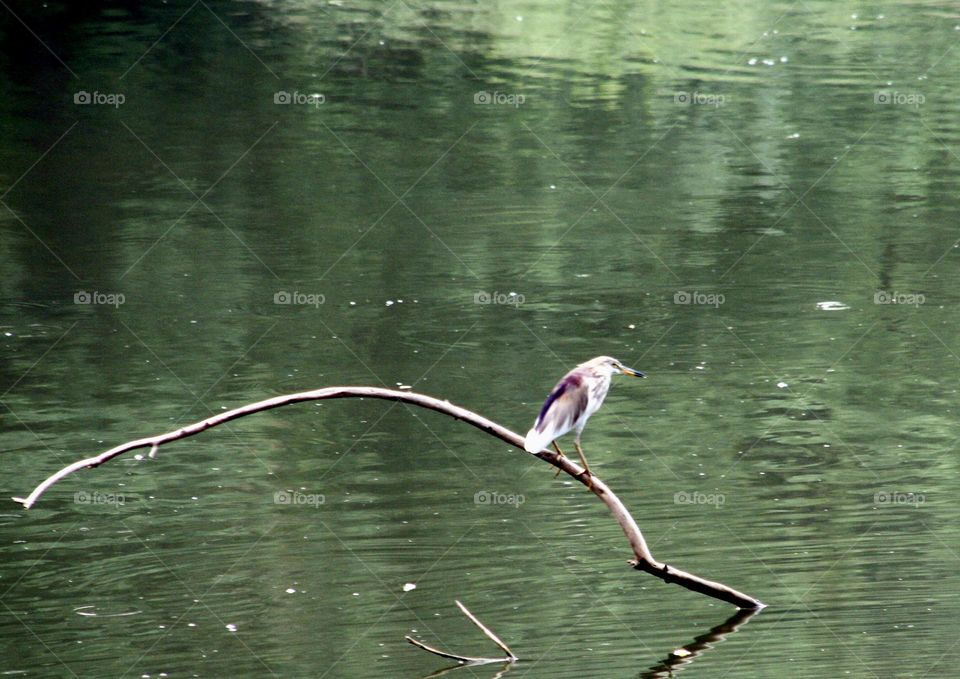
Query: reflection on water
{"x":755,"y":205}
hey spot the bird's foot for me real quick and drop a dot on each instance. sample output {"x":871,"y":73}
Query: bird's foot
{"x":586,"y":467}
{"x":560,"y":453}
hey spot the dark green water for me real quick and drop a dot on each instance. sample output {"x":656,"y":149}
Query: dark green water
{"x":787,"y":169}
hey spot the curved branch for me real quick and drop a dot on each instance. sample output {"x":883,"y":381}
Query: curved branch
{"x":643,"y":557}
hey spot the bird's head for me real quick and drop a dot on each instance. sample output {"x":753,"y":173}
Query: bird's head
{"x":607,"y":365}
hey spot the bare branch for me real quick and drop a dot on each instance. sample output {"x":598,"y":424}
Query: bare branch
{"x":643,"y":558}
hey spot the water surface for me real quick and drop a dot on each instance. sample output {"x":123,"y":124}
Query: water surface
{"x":756,"y":205}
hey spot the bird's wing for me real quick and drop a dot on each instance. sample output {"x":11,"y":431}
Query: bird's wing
{"x":567,"y":402}
{"x":563,"y":407}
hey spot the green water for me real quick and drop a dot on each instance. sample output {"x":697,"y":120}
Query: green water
{"x":786,"y":169}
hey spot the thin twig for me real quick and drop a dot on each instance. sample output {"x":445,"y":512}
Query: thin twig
{"x":466,"y":659}
{"x":644,"y":559}
{"x":483,"y":628}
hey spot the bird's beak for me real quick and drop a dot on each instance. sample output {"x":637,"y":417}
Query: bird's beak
{"x":630,"y":371}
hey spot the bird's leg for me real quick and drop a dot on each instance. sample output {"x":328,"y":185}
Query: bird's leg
{"x":560,"y":453}
{"x":586,"y":467}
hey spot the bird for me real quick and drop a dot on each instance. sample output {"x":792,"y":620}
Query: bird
{"x":577,"y":396}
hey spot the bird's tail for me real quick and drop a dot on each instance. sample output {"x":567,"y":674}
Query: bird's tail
{"x":536,"y":440}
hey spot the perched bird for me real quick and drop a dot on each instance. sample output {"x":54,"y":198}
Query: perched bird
{"x":571,"y":403}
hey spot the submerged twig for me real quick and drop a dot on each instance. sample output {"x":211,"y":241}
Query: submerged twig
{"x":483,"y":628}
{"x":643,"y":558}
{"x":466,"y":659}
